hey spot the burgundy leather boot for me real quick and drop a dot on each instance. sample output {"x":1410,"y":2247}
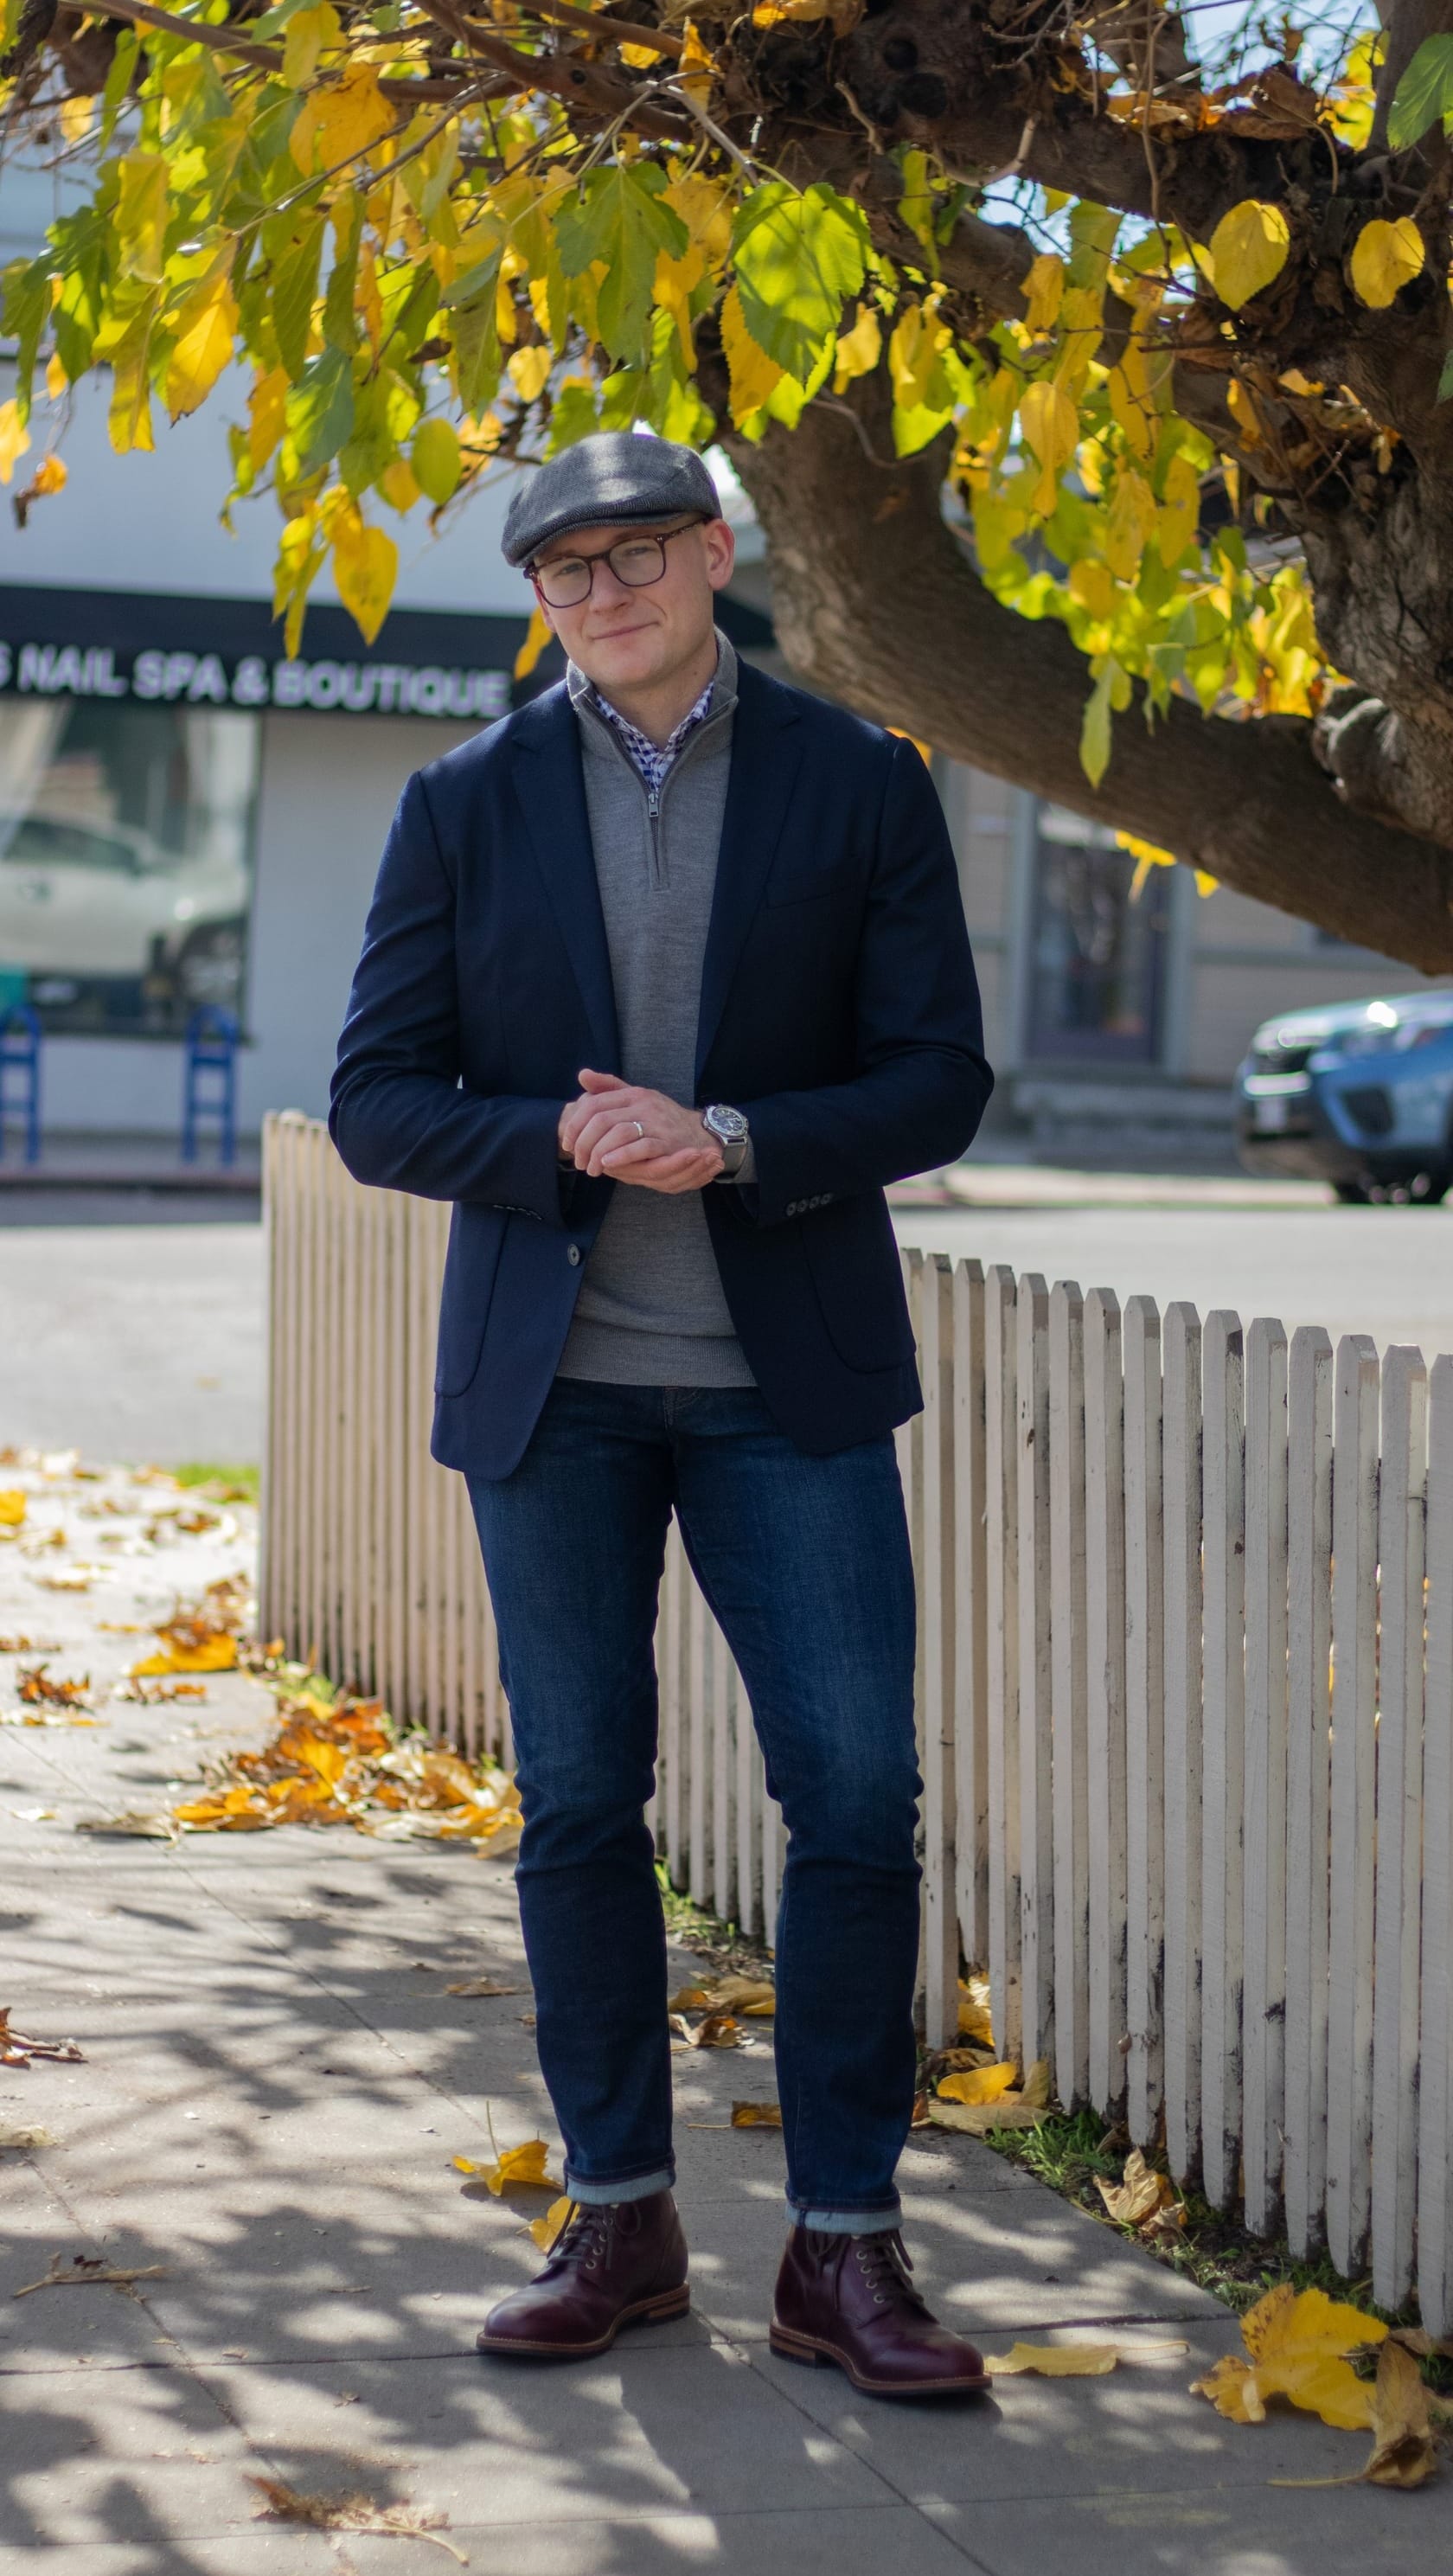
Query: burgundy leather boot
{"x":611,"y":2266}
{"x":849,"y":2299}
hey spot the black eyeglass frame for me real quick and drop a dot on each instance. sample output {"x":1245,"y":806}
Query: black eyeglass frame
{"x":660,"y":537}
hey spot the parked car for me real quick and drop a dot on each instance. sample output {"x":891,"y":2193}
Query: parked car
{"x":93,"y":912}
{"x":1360,"y":1094}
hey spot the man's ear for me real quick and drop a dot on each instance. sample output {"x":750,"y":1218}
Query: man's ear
{"x":721,"y":552}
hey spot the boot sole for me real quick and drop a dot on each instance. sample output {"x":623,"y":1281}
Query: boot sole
{"x":807,"y":2348}
{"x":645,"y":2312}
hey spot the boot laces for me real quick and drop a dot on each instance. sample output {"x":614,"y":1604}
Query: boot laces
{"x":885,"y":2263}
{"x":586,"y":2235}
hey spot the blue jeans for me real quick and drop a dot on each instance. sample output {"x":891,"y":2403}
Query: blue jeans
{"x":805,"y":1564}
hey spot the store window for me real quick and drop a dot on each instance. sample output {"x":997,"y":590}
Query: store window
{"x":1097,"y":952}
{"x":125,"y":862}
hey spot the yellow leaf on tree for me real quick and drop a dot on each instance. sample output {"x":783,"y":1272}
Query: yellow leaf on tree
{"x":519,"y":2168}
{"x":365,"y":567}
{"x":140,"y":216}
{"x":537,"y":636}
{"x":311,"y":33}
{"x":529,"y":370}
{"x":1055,"y":2360}
{"x":672,"y":287}
{"x":979,"y":2084}
{"x":49,"y":476}
{"x":1385,"y":258}
{"x":1051,"y":425}
{"x":694,"y":70}
{"x":397,"y":484}
{"x":918,"y":341}
{"x":340,"y":121}
{"x":1044,"y":288}
{"x":266,"y":415}
{"x":704,"y":206}
{"x":1130,"y":524}
{"x":201,"y":353}
{"x":1132,"y":403}
{"x":858,"y":350}
{"x":75,"y":118}
{"x":1180,"y":510}
{"x":545,"y":2230}
{"x":1249,"y":248}
{"x":752,"y":373}
{"x":1091,"y":586}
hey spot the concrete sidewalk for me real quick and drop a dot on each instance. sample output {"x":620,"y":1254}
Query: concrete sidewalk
{"x":276,"y":2081}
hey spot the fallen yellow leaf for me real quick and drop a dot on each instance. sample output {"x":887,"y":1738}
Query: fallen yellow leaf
{"x":1034,"y":2092}
{"x":12,"y":1508}
{"x":756,"y":2115}
{"x":974,"y":2021}
{"x":1297,"y":2343}
{"x":521,"y":2168}
{"x":978,"y":2084}
{"x":545,"y":2230}
{"x":1139,"y":2195}
{"x":215,"y":1654}
{"x":977,"y":2119}
{"x":1055,"y":2360}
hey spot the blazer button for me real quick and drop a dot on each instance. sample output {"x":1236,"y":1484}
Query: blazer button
{"x":573,"y":1256}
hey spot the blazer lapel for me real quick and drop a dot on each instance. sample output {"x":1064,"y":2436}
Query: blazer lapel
{"x":550,"y":788}
{"x":766,"y":756}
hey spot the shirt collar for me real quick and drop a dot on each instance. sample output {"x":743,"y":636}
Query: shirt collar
{"x":716,"y":698}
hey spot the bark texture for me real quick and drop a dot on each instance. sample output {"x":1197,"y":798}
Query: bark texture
{"x":877,"y":603}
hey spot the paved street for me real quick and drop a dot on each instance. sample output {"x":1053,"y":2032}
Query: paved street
{"x":275,"y":2084}
{"x":138,"y":1331}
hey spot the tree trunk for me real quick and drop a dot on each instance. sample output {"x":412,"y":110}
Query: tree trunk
{"x":876,"y":604}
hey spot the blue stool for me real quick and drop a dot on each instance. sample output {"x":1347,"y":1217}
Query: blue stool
{"x":209,"y":1087}
{"x":20,"y":1035}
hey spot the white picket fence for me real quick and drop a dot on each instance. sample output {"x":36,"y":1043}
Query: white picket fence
{"x":1185,"y":1691}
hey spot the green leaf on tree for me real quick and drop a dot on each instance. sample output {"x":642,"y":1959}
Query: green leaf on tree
{"x":619,"y":216}
{"x":1424,"y":93}
{"x":799,"y":258}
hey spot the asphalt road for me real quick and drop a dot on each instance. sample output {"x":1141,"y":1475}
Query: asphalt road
{"x":143,"y":1340}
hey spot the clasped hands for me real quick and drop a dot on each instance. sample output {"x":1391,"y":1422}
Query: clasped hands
{"x":627,"y":1133}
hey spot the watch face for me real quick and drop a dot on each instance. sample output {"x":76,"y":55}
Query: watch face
{"x":728,"y":1124}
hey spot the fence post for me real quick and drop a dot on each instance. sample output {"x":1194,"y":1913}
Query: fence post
{"x":1264,"y":1808}
{"x":1435,"y":2089}
{"x":1222,"y":1752}
{"x":1144,"y":1717}
{"x":1105,"y":1691}
{"x":938,"y":1609}
{"x":1309,"y":1646}
{"x":1353,"y":1819}
{"x":1068,"y":1691}
{"x":1002,"y":1551}
{"x":1036,"y":1742}
{"x":1397,"y":1924}
{"x":971,"y":1618}
{"x":1182,"y":2000}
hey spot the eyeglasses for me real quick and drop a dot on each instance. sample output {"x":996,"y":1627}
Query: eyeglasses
{"x":567,"y":580}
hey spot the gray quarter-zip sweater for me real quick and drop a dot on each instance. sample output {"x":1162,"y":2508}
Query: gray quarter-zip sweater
{"x":651,"y":1310}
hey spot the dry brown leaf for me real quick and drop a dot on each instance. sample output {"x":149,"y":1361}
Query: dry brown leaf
{"x":1054,"y":2360}
{"x":717,"y":2031}
{"x":32,"y":1645}
{"x":482,"y":1986}
{"x":1404,"y":2452}
{"x":87,"y":2272}
{"x":133,"y":1824}
{"x":25,"y":2140}
{"x":756,"y":2115}
{"x":17,"y":2050}
{"x":281,"y":2503}
{"x":690,"y":1999}
{"x":977,"y":2119}
{"x":39,"y":1690}
{"x":1143,"y":2199}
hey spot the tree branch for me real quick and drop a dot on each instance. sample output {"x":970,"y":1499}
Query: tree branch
{"x":876,"y":603}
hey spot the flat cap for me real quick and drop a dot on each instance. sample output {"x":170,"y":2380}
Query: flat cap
{"x":617,"y":474}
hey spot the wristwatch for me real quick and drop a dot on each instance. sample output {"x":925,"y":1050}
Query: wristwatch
{"x":733,"y":1135}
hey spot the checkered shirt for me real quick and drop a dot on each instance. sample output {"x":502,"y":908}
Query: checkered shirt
{"x":652,"y":761}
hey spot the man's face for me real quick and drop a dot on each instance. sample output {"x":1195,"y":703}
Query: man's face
{"x":622,"y":637}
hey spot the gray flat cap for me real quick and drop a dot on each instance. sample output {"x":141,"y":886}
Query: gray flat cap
{"x":617,"y":474}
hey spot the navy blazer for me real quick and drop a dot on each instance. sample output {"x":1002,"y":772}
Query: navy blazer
{"x":839,"y":1009}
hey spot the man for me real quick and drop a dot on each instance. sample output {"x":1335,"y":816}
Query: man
{"x":665,"y":977}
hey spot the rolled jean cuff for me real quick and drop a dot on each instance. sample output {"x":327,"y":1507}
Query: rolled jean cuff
{"x":606,"y":2195}
{"x":847,"y":2222}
